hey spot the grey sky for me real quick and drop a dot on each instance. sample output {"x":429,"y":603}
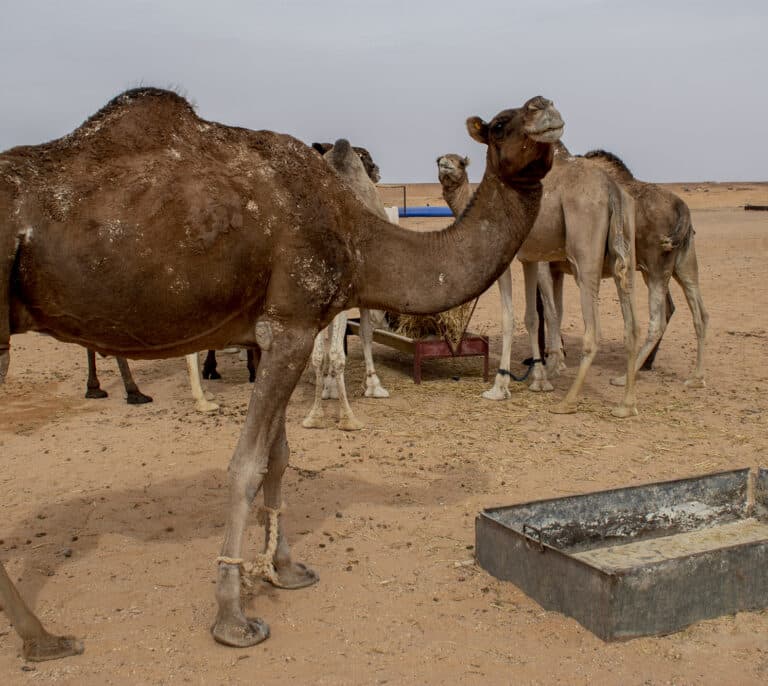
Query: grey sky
{"x":679,"y":89}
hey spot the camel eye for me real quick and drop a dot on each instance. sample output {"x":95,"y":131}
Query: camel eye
{"x":498,"y":128}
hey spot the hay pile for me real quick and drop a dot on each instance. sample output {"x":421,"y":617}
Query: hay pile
{"x":450,"y":324}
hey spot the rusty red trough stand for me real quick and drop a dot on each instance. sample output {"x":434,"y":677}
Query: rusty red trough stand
{"x":471,"y":345}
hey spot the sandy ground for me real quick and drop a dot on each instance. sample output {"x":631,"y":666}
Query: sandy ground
{"x":112,"y":515}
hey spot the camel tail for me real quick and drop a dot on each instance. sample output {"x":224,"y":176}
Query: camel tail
{"x":621,"y":236}
{"x":680,"y":235}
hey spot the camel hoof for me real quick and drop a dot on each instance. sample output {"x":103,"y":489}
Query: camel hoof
{"x":51,"y":647}
{"x":622,"y":412}
{"x":313,"y":422}
{"x":240,"y":634}
{"x":564,"y":408}
{"x":541,"y":386}
{"x":211,"y":374}
{"x":206,"y":406}
{"x":695,"y":382}
{"x":619,"y":380}
{"x":208,"y":395}
{"x":350,"y":424}
{"x":95,"y":393}
{"x":137,"y":398}
{"x":497,"y":394}
{"x":376,"y":392}
{"x":295,"y":575}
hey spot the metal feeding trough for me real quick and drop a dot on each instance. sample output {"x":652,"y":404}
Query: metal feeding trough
{"x":637,"y":561}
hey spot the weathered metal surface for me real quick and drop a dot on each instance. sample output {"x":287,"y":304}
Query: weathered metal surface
{"x":699,"y":549}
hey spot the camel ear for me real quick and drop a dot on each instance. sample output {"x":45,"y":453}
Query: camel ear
{"x":322,"y":148}
{"x":478,"y":130}
{"x":466,"y":161}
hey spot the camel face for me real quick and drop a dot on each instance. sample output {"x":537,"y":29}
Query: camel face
{"x":452,"y":168}
{"x":520,"y":140}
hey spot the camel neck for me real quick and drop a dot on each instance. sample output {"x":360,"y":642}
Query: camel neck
{"x":424,"y":272}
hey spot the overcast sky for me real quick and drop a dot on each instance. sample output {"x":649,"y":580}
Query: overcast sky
{"x":677,"y":88}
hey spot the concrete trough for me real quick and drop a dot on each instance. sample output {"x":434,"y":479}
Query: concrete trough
{"x":637,"y":561}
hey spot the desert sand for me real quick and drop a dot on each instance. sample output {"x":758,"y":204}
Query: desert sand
{"x":112,"y":515}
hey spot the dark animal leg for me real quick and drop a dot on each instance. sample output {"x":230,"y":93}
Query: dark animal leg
{"x":38,"y":645}
{"x":251,"y":366}
{"x":670,"y":310}
{"x":93,"y":389}
{"x":209,"y":366}
{"x":133,"y":395}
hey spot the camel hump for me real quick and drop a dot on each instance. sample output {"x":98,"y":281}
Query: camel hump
{"x":612,"y":160}
{"x":137,"y":119}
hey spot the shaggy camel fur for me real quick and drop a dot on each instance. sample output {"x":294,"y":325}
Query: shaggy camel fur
{"x":328,"y":356}
{"x":149,"y":232}
{"x":665,"y":248}
{"x":586,"y":225}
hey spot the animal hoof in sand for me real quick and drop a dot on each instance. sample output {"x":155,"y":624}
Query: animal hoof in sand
{"x":137,"y":398}
{"x":350,"y":424}
{"x":563,"y":408}
{"x":541,"y":386}
{"x":95,"y":393}
{"x":206,"y":406}
{"x":313,"y":422}
{"x":497,"y":394}
{"x":376,"y":392}
{"x":695,"y":382}
{"x":243,"y":634}
{"x":619,"y":380}
{"x":51,"y":647}
{"x":622,"y":412}
{"x":295,"y":575}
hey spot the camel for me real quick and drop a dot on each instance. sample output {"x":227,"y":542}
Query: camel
{"x":371,"y":168}
{"x":586,"y":226}
{"x":329,"y":363}
{"x":149,"y":232}
{"x":665,"y":248}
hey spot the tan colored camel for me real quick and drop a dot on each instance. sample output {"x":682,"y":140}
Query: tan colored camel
{"x":328,"y":357}
{"x":665,"y":248}
{"x":149,"y":233}
{"x":586,"y":225}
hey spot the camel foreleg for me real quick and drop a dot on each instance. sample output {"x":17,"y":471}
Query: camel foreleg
{"x":539,"y":381}
{"x":202,"y":400}
{"x":38,"y":644}
{"x":315,"y":418}
{"x":624,"y":288}
{"x":669,"y":310}
{"x":553,"y":314}
{"x":282,"y":361}
{"x":500,"y":388}
{"x":337,"y":362}
{"x":588,"y":294}
{"x":93,"y":386}
{"x":373,"y":387}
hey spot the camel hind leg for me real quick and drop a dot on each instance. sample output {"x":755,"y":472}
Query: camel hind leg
{"x":133,"y":395}
{"x":38,"y":644}
{"x":686,"y":273}
{"x":669,"y":310}
{"x":373,"y":387}
{"x":337,"y":362}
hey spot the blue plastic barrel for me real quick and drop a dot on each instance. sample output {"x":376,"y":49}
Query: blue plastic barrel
{"x":424,"y":211}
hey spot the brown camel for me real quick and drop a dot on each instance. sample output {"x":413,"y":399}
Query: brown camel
{"x":586,"y":227}
{"x":150,"y":233}
{"x":665,"y":247}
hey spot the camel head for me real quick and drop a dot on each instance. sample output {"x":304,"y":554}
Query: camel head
{"x":452,"y":169}
{"x":520,"y":141}
{"x":371,"y":168}
{"x":345,"y":160}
